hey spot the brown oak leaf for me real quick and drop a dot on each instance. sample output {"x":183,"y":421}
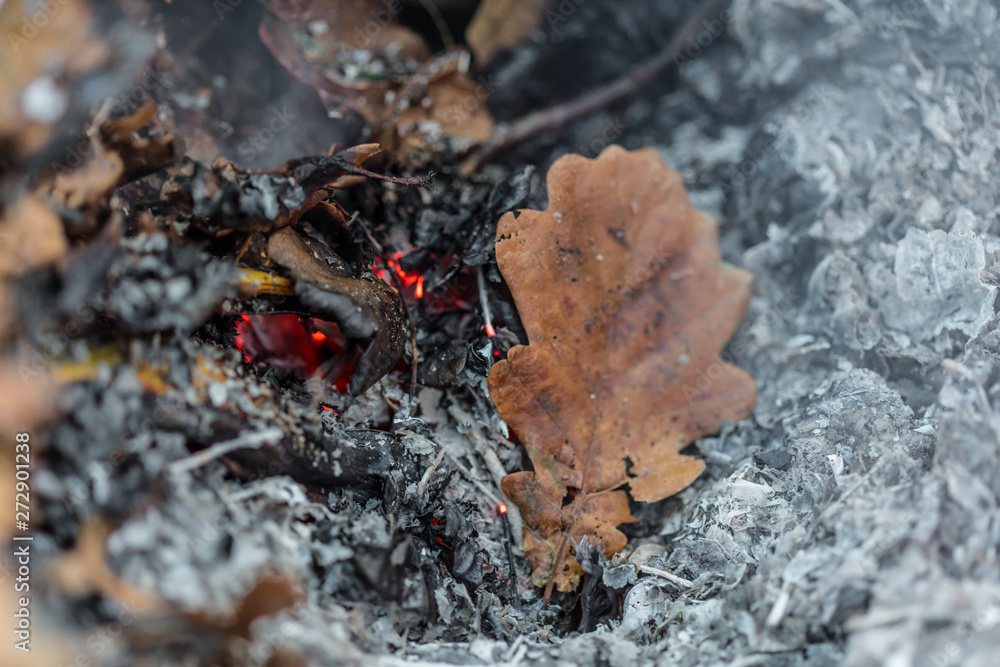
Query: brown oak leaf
{"x":501,"y":24}
{"x":359,"y":56}
{"x":627,"y":306}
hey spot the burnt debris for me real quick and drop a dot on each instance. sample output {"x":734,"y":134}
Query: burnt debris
{"x":251,"y":350}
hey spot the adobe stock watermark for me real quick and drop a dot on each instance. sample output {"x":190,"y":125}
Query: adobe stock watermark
{"x":456,"y":116}
{"x":278,"y":122}
{"x":485,"y":85}
{"x":953,"y":652}
{"x":717,"y":369}
{"x":31,"y":25}
{"x":710,"y":31}
{"x":705,"y":379}
{"x":263,"y":647}
{"x":558,"y":15}
{"x":867,"y":561}
{"x":801,"y":112}
{"x":122,"y":105}
{"x":900,"y":17}
{"x":100,"y":642}
{"x":380,"y":18}
{"x":640,"y":274}
{"x":610,"y":131}
{"x":55,"y":343}
{"x":100,"y":471}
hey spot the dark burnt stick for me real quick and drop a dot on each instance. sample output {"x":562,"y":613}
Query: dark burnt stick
{"x":507,"y":540}
{"x":555,"y":117}
{"x":414,"y":181}
{"x":413,"y":328}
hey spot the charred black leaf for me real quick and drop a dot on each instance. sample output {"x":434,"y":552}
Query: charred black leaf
{"x":145,"y":286}
{"x":460,"y":551}
{"x":224,"y":198}
{"x":444,"y":364}
{"x":358,"y":458}
{"x":506,"y":196}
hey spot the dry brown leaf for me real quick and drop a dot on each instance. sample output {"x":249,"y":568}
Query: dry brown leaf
{"x":357,"y":56}
{"x":627,"y":307}
{"x":63,"y":46}
{"x":139,"y":155}
{"x":269,"y":596}
{"x":500,"y":24}
{"x":88,"y":186}
{"x":84,"y":571}
{"x":31,"y":235}
{"x":351,"y":51}
{"x":453,"y":109}
{"x":25,"y":394}
{"x":47,"y":648}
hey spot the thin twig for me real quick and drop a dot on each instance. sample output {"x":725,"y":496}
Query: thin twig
{"x":418,"y":181}
{"x":364,"y":228}
{"x":415,"y":357}
{"x":484,"y":301}
{"x":672,"y":578}
{"x":488,"y":492}
{"x":439,"y":23}
{"x":557,"y":116}
{"x":220,"y":449}
{"x":485,"y":447}
{"x":430,"y":471}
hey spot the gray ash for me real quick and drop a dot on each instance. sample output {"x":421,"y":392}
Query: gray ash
{"x":848,"y":150}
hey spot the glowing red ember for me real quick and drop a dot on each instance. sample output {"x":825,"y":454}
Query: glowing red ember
{"x":406,"y":279}
{"x":293,"y":344}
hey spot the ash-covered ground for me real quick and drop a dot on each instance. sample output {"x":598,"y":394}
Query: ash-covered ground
{"x":848,"y":149}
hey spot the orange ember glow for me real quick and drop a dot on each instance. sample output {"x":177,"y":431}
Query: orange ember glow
{"x":242,"y":326}
{"x":287,"y":342}
{"x":503,"y":508}
{"x":407,"y":279}
{"x":490,"y":331}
